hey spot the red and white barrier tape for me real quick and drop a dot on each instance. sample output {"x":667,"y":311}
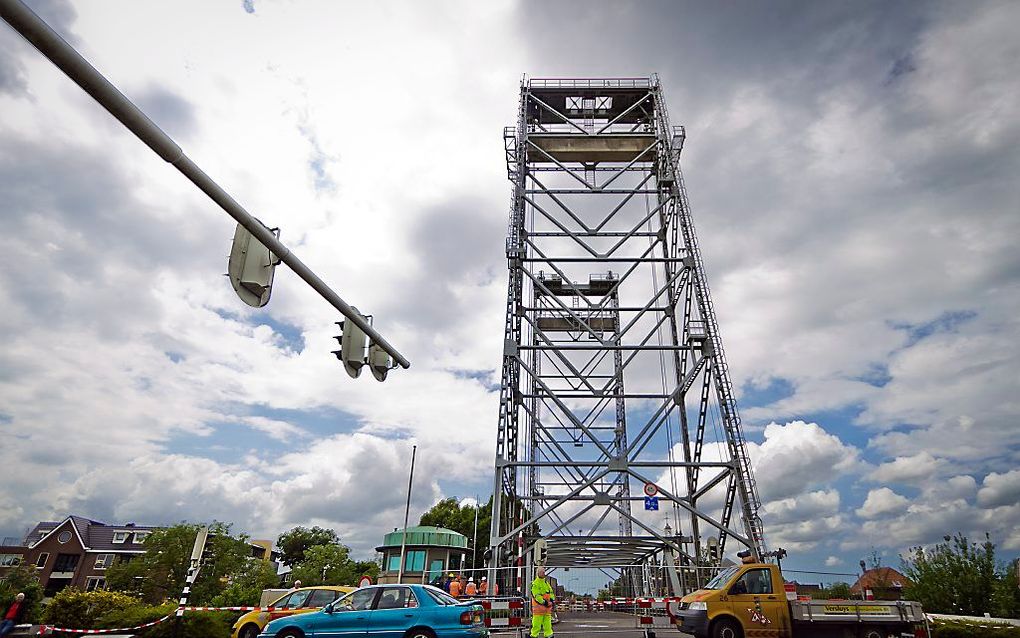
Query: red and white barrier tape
{"x":46,"y":629}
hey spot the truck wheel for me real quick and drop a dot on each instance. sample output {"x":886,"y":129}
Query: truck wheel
{"x":873,"y":633}
{"x":726,"y":628}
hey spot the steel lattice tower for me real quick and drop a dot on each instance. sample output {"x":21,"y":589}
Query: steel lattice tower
{"x":613,"y":372}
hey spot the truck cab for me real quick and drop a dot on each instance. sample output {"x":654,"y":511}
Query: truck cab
{"x":740,"y":598}
{"x":750,"y":600}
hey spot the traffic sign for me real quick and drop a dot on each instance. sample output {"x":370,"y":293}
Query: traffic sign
{"x":365,"y":581}
{"x":652,"y":503}
{"x":651,"y":489}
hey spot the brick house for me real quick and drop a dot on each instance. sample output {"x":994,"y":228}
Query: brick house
{"x":885,"y":583}
{"x":12,"y":553}
{"x":76,"y":551}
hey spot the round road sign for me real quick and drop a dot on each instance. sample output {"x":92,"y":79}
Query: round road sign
{"x":650,"y":489}
{"x":365,"y":581}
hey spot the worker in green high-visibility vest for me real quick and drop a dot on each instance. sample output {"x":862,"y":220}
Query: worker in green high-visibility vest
{"x":542,"y":600}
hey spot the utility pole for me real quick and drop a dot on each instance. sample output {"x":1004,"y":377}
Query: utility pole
{"x":474,"y":541}
{"x":407,"y":513}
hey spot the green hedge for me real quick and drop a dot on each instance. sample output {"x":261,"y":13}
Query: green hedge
{"x":76,"y":609}
{"x":957,"y":629}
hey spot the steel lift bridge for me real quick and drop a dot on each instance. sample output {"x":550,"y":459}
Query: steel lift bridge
{"x":613,"y":374}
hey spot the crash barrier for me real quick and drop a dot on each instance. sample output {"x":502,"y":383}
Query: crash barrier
{"x":503,"y":612}
{"x":655,"y":612}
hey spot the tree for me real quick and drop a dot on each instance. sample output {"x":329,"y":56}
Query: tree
{"x":1006,"y":598}
{"x":294,"y":543}
{"x":838,"y":590}
{"x":450,"y":514}
{"x":954,"y":577}
{"x":332,"y":565}
{"x":160,"y":573}
{"x":23,"y":579}
{"x":245,"y":587}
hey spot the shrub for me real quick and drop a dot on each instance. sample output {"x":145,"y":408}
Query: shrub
{"x":77,"y":609}
{"x":960,"y":629}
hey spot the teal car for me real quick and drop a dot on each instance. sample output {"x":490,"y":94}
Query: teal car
{"x":387,"y":611}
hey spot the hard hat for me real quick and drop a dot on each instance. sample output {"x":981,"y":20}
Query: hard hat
{"x":451,"y":575}
{"x":471,"y":580}
{"x":484,"y":578}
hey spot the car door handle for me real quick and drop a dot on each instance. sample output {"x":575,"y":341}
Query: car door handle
{"x":772,"y":597}
{"x":408,"y":615}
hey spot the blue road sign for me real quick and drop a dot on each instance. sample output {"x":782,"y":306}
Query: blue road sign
{"x":652,"y":503}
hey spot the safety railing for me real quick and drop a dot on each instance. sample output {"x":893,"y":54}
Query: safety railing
{"x":590,"y":83}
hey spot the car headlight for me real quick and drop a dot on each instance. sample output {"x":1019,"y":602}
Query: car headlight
{"x":698,"y":607}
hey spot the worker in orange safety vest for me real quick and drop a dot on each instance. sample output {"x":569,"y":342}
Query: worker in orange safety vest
{"x":471,"y":589}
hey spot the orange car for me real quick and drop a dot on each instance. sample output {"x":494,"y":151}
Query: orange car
{"x":299,"y":601}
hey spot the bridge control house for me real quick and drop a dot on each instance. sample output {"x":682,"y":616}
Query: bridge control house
{"x":429,"y":552}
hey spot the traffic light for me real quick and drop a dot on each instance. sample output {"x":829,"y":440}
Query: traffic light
{"x":713,"y":549}
{"x":352,"y":347}
{"x":541,"y":551}
{"x":250,"y":267}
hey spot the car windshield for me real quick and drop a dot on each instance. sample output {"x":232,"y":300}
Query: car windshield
{"x":356,"y":601}
{"x":440,"y":596}
{"x":721,"y":578}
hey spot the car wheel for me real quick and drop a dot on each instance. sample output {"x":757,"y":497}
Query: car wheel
{"x":726,"y":628}
{"x":249,"y":631}
{"x":420,"y":632}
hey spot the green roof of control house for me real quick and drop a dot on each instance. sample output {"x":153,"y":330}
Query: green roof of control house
{"x":426,"y":535}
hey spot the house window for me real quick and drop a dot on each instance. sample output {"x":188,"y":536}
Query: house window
{"x":66,"y":562}
{"x":120,"y":537}
{"x":10,"y":560}
{"x":104,"y":560}
{"x":95,"y":582}
{"x":141,"y":536}
{"x":40,"y":562}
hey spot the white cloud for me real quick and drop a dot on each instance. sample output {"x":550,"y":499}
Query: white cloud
{"x":1000,"y":489}
{"x":881,"y":502}
{"x":833,"y":561}
{"x":905,"y":469}
{"x":798,"y":455}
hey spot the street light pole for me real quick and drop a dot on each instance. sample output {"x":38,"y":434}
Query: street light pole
{"x":63,"y":55}
{"x":407,"y":513}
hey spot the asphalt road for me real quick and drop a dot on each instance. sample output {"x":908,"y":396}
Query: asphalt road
{"x":604,"y":625}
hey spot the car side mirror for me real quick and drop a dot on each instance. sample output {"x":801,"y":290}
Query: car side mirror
{"x":328,"y":608}
{"x":738,"y":588}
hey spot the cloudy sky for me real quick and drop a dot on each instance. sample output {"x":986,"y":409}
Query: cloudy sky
{"x":852,"y":169}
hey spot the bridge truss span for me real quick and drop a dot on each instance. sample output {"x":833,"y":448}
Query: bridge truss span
{"x":613,"y":375}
